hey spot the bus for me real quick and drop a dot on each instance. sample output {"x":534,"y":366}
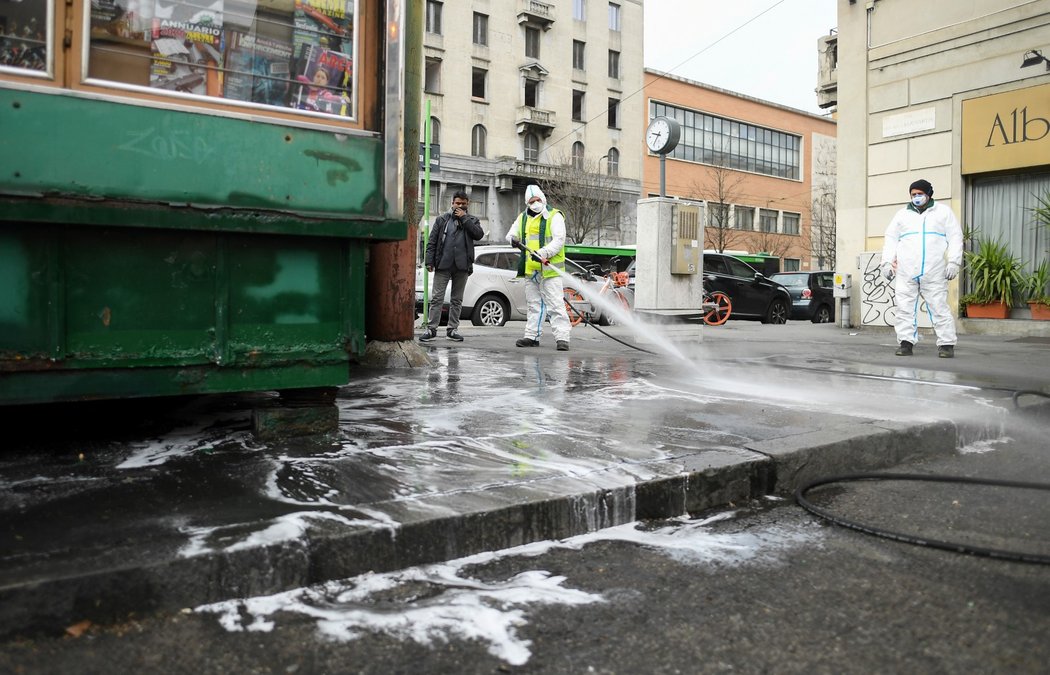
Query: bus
{"x":188,"y":191}
{"x":765,"y":263}
{"x":608,"y":258}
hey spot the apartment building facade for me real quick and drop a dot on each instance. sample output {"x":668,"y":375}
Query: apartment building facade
{"x":522,"y":91}
{"x":958,"y":94}
{"x":763,"y":173}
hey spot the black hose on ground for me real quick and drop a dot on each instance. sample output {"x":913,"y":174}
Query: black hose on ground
{"x":593,"y":325}
{"x":1027,"y":392}
{"x":800,"y":498}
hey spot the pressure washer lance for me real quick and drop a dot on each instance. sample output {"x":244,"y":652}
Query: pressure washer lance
{"x":518,"y":244}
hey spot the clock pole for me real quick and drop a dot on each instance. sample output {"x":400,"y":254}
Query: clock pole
{"x":663,"y":175}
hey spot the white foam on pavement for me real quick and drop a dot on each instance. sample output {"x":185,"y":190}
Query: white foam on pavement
{"x":452,"y":606}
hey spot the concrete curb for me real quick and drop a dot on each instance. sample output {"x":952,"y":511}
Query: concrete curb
{"x":553,"y":508}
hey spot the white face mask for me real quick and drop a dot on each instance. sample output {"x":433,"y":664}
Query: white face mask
{"x":535,"y":207}
{"x":919,"y":200}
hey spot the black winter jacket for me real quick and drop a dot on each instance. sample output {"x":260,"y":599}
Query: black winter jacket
{"x":436,"y":243}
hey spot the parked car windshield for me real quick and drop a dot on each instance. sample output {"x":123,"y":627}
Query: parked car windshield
{"x":791,"y":280}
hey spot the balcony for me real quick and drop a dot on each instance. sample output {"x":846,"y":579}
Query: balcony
{"x":536,"y":13}
{"x":514,"y":174}
{"x":827,"y":74}
{"x":535,"y":120}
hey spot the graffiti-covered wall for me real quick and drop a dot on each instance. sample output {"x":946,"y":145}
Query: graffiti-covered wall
{"x":876,"y":295}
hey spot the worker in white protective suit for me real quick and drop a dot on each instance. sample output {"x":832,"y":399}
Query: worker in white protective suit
{"x":922,"y":253}
{"x":540,"y":233}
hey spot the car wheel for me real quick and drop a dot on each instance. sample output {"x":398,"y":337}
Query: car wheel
{"x":490,"y":310}
{"x":822,"y":315}
{"x":777,"y":312}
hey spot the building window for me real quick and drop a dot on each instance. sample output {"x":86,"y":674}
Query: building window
{"x":767,"y":220}
{"x":481,"y":29}
{"x":432,"y":78}
{"x":532,"y":148}
{"x":614,"y":16}
{"x":577,"y":105}
{"x":579,"y":10}
{"x":791,"y":222}
{"x":744,"y":217}
{"x":577,"y":54}
{"x":479,"y":201}
{"x":477,"y":83}
{"x":435,"y":131}
{"x":433,"y":17}
{"x":435,"y":192}
{"x":717,"y":215}
{"x":792,"y":264}
{"x":532,"y":42}
{"x":734,"y":145}
{"x":532,"y":93}
{"x":577,"y":156}
{"x":477,"y":141}
{"x":614,"y":64}
{"x":614,"y":113}
{"x":613,"y":167}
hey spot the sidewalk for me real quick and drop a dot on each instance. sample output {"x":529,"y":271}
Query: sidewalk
{"x":132,"y":507}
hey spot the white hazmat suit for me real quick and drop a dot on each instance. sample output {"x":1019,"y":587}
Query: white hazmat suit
{"x":924,"y":247}
{"x":544,"y":293}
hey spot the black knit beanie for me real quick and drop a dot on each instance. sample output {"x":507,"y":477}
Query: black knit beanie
{"x":923,"y":185}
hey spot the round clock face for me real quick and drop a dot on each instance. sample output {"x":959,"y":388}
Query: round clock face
{"x":661,"y":136}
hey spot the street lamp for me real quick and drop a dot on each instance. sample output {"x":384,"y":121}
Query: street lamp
{"x":603,"y":210}
{"x":1034,"y":58}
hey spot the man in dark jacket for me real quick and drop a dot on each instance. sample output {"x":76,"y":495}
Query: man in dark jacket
{"x":450,"y":257}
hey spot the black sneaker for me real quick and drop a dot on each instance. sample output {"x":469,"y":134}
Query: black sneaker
{"x":527,"y":342}
{"x":946,"y":351}
{"x":454,"y":335}
{"x":904,"y":349}
{"x":563,"y":345}
{"x":428,"y":335}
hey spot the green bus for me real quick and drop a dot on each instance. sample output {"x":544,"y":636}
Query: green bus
{"x":763,"y":262}
{"x":609,"y":258}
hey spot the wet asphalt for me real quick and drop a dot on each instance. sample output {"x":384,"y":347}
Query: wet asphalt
{"x":118,"y":509}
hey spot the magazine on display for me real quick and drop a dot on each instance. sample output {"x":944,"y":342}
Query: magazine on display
{"x":324,"y":23}
{"x":325,"y":79}
{"x":187,"y":47}
{"x":258,"y":69}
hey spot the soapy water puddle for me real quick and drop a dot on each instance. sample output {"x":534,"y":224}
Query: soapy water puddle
{"x":435,"y":604}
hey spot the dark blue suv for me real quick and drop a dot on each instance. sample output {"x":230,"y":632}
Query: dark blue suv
{"x":812,"y":294}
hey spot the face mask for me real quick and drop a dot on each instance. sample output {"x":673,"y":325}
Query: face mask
{"x":535,"y":207}
{"x":919,"y":200}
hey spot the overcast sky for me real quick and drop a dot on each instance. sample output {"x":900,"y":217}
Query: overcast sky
{"x":774,"y":57}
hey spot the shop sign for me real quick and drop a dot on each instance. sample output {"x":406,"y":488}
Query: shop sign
{"x":1006,"y":131}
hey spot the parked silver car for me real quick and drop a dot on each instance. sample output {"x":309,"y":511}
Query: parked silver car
{"x":495,"y":294}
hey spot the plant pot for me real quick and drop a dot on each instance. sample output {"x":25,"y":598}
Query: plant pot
{"x":993,"y":310}
{"x":1040,"y":311}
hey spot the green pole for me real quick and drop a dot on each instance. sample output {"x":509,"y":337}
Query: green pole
{"x":426,"y":214}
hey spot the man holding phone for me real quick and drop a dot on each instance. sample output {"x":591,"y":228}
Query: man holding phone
{"x":450,"y":257}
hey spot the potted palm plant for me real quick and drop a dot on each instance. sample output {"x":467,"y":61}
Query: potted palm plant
{"x":1037,"y":291}
{"x":1037,"y":284}
{"x":996,"y":278}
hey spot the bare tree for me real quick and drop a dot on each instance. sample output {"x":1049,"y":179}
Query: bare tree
{"x":771,"y":243}
{"x":588,"y":199}
{"x":825,"y":234}
{"x":721,"y":189}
